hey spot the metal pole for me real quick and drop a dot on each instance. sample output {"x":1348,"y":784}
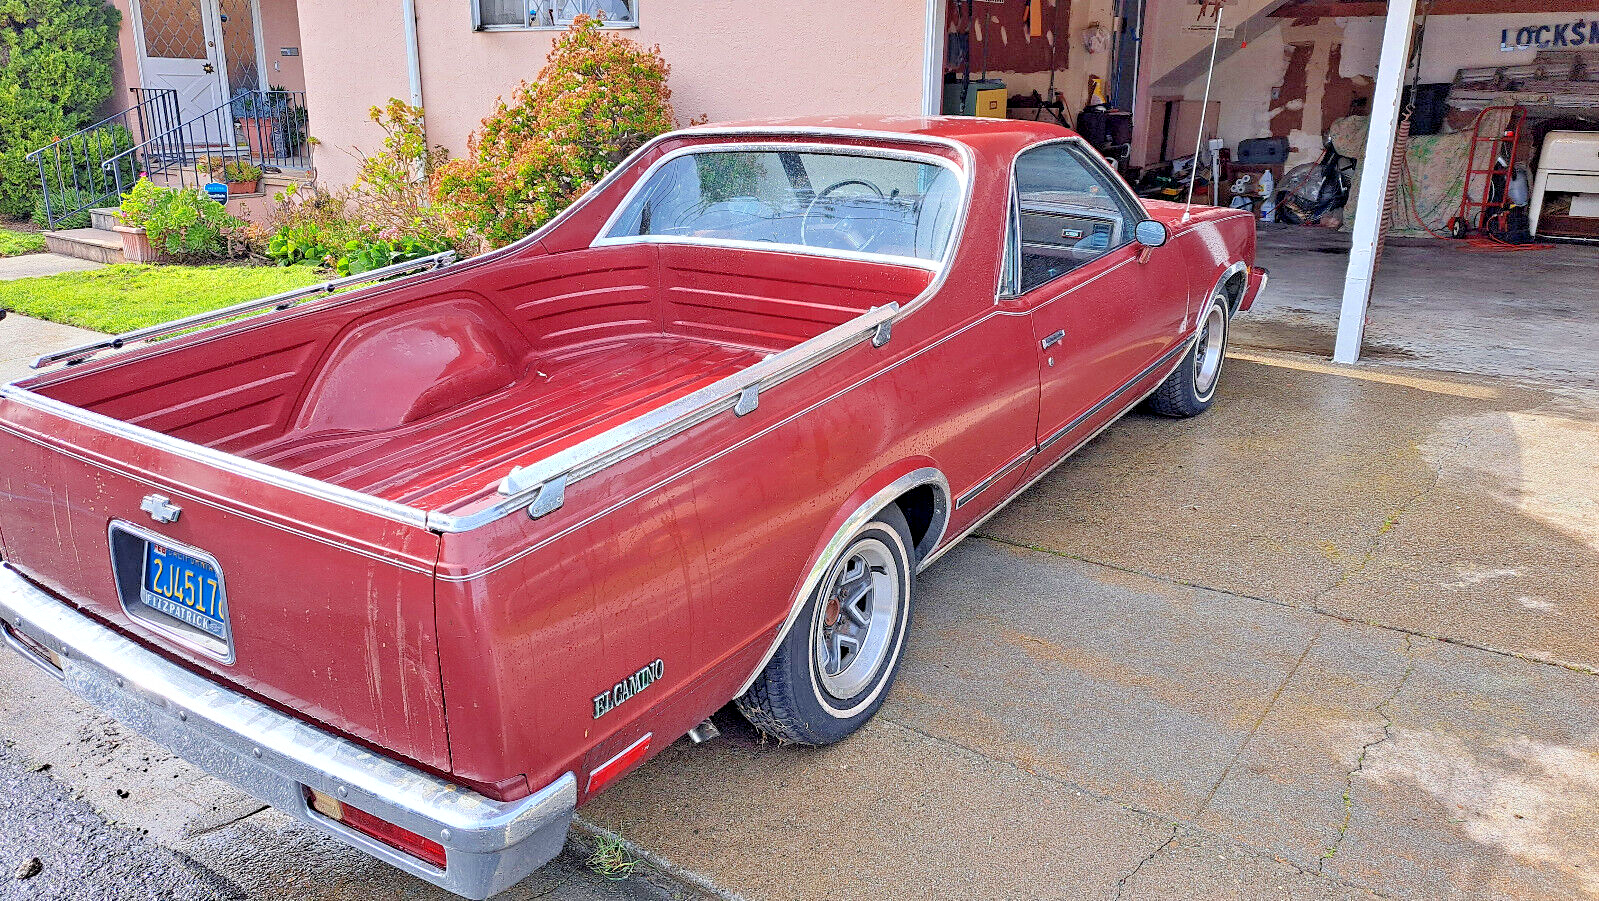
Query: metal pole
{"x":413,"y":55}
{"x":1376,"y":168}
{"x":933,"y":60}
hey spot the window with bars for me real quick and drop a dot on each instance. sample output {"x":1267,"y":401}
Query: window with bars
{"x":501,"y":14}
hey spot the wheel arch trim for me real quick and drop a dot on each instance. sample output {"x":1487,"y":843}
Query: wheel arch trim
{"x":860,"y":515}
{"x":1234,"y":269}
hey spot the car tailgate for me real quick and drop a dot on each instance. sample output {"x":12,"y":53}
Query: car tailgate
{"x":330,"y":607}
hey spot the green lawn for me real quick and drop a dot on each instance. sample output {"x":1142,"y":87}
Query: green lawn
{"x":128,"y":296}
{"x":15,"y":244}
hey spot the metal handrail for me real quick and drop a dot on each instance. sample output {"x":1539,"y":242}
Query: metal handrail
{"x":97,"y":176}
{"x":216,"y":132}
{"x":278,"y":302}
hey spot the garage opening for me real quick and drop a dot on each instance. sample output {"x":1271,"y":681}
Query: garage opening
{"x":1484,"y":234}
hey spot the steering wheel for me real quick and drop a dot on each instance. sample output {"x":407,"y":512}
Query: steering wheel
{"x":844,"y":231}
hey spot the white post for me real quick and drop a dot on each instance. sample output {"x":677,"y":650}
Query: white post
{"x":933,"y":60}
{"x":413,"y":54}
{"x":1375,"y":171}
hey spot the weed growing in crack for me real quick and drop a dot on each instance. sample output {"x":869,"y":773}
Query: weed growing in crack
{"x":611,"y":858}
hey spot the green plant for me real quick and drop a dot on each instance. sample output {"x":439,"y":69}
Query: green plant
{"x":15,"y":243}
{"x":598,"y":98}
{"x":292,"y":117}
{"x":55,"y":72}
{"x":392,"y":191}
{"x":82,"y":171}
{"x":611,"y":858}
{"x":232,"y":171}
{"x":182,"y":223}
{"x":309,"y":227}
{"x":65,"y":199}
{"x":366,"y":254}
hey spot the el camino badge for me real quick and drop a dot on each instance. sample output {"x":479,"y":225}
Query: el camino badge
{"x":608,"y":701}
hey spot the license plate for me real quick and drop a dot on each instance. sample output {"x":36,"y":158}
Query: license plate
{"x":185,"y":588}
{"x":172,"y":589}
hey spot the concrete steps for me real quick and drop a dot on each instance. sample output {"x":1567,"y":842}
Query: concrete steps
{"x":103,"y":218}
{"x":98,"y":244}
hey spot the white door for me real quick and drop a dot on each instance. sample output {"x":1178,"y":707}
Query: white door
{"x":179,"y":50}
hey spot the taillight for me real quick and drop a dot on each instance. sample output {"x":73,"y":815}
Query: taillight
{"x":424,"y":849}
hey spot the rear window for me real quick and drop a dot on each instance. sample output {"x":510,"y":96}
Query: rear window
{"x":836,"y":204}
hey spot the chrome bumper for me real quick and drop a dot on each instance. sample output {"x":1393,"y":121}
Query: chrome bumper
{"x":489,"y":845}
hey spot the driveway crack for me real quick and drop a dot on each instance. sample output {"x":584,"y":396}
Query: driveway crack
{"x":1255,"y":727}
{"x":1121,"y":884}
{"x":1384,"y":709}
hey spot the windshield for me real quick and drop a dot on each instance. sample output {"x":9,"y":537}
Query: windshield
{"x":837,"y":204}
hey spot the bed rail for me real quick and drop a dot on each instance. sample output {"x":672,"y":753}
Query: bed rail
{"x":278,"y":302}
{"x":540,"y":487}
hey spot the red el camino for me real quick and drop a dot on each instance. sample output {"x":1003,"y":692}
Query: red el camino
{"x":429,"y":562}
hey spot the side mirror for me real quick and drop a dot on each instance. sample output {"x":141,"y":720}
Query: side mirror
{"x":1149,"y":233}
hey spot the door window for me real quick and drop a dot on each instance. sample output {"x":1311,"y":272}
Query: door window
{"x":1068,"y":213}
{"x":173,"y":29}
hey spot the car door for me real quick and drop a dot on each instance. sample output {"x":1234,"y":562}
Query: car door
{"x":1100,"y":314}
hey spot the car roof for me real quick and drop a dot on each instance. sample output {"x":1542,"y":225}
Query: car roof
{"x":986,"y":137}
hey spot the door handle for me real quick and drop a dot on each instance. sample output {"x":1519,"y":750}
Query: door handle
{"x":1054,"y":339}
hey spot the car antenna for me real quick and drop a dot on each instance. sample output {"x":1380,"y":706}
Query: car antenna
{"x":1204,"y":108}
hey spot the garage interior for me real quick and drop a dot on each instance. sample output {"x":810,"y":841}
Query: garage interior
{"x":1481,"y":248}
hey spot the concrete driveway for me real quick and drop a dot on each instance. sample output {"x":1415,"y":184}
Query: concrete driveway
{"x":1335,"y":638}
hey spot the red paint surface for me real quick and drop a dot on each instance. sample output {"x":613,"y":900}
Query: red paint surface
{"x":479,"y":654}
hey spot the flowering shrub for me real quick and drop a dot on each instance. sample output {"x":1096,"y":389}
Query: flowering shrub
{"x":392,"y":193}
{"x":597,"y":99}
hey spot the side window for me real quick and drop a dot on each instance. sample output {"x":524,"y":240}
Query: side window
{"x":1069,"y":213}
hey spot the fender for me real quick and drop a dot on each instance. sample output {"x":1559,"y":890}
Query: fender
{"x":875,"y":494}
{"x":1229,"y":272}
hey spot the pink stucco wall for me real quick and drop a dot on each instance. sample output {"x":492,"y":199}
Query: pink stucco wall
{"x":125,"y":68}
{"x":280,"y":27}
{"x":730,"y":59}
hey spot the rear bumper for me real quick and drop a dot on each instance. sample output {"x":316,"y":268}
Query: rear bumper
{"x":1256,"y":286}
{"x":489,"y":845}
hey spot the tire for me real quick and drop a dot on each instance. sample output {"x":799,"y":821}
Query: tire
{"x":1191,"y":387}
{"x":833,"y":669}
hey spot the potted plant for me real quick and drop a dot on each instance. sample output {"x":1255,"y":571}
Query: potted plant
{"x":257,"y":113}
{"x":241,"y":176}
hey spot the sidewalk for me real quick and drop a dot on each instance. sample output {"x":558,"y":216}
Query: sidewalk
{"x":22,"y":340}
{"x":32,"y":265}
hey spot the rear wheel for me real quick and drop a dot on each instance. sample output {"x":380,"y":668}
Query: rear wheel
{"x":829,"y":675}
{"x":1189,"y":390}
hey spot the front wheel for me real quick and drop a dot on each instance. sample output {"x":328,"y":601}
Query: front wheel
{"x":833,"y":668}
{"x":1191,"y":388}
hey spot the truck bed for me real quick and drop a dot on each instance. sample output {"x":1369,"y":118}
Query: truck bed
{"x":553,"y":404}
{"x":426,"y":393}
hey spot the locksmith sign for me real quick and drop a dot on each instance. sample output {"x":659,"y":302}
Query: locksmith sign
{"x":1577,"y":33}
